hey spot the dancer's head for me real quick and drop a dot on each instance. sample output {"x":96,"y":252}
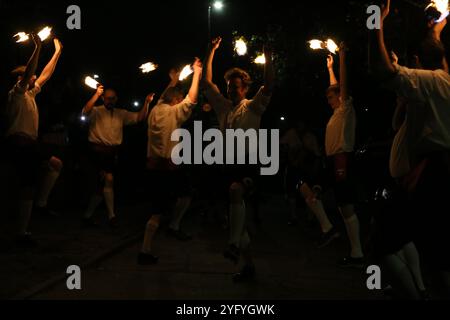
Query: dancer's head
{"x":431,"y":55}
{"x":110,"y":98}
{"x":238,"y":84}
{"x":19,"y":73}
{"x":334,"y":96}
{"x":173,"y":96}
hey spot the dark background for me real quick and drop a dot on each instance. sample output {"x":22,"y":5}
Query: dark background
{"x":117,"y":37}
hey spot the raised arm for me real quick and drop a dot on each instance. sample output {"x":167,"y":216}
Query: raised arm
{"x":386,"y":68}
{"x":343,"y":72}
{"x":269,"y":74}
{"x":50,"y":68}
{"x":32,"y":63}
{"x":194,"y":90}
{"x":91,"y":103}
{"x":435,"y":29}
{"x":144,"y":112}
{"x":330,"y":65}
{"x":215,"y":44}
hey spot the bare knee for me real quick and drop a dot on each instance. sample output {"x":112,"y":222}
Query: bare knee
{"x":56,"y":164}
{"x":109,"y":180}
{"x":153,"y":223}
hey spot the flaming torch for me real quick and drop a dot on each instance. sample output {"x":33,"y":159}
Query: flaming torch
{"x":91,"y":83}
{"x":148,"y":67}
{"x":186,"y":72}
{"x":261,"y":59}
{"x":43,"y":34}
{"x":240,"y":47}
{"x":442,"y":7}
{"x":329,"y":45}
{"x":316,"y":44}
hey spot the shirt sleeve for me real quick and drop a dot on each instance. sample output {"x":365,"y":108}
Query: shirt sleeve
{"x":219,"y":103}
{"x":183,"y":110}
{"x":412,"y":83}
{"x":260,"y":102}
{"x":36,"y":90}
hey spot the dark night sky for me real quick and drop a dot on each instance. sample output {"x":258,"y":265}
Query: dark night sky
{"x":117,"y":37}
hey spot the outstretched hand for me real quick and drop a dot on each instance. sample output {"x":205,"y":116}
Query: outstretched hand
{"x":149,"y":98}
{"x":330,"y":61}
{"x":58,"y":45}
{"x":215,"y":43}
{"x":197,"y":66}
{"x":385,"y":10}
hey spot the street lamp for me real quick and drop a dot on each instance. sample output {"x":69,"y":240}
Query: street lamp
{"x":216,"y":5}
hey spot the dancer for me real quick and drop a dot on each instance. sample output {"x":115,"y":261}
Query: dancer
{"x":237,"y":112}
{"x":24,"y":149}
{"x":105,"y":137}
{"x":166,"y":117}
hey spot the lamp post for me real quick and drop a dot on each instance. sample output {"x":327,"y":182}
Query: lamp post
{"x":216,"y":5}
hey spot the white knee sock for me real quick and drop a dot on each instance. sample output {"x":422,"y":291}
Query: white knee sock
{"x":237,"y":222}
{"x":352,"y":226}
{"x":108,"y":193}
{"x":46,"y":187}
{"x":150,"y":231}
{"x":93,"y":204}
{"x":25,"y":208}
{"x":319,"y":211}
{"x":180,"y":209}
{"x":412,"y":259}
{"x":400,"y":277}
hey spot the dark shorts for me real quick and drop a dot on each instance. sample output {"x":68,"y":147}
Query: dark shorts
{"x":167,"y":182}
{"x":27,"y":157}
{"x":104,"y":158}
{"x":341,"y":178}
{"x":247,"y":175}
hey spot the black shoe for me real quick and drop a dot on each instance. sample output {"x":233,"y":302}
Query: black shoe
{"x":113,"y":222}
{"x":232,"y":253}
{"x":89,"y":223}
{"x":327,"y":238}
{"x":247,"y":273}
{"x":26,"y":242}
{"x":146,"y":259}
{"x":179,"y":235}
{"x":45,"y":212}
{"x":349,"y":262}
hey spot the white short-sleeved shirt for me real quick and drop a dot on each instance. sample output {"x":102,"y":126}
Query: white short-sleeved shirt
{"x":22,"y":112}
{"x":428,"y":93}
{"x":246,"y":115}
{"x":340,"y":133}
{"x":163,"y":120}
{"x":106,"y":126}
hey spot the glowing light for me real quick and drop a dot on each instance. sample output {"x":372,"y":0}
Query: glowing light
{"x":316,"y":44}
{"x":240,"y":47}
{"x":442,"y":7}
{"x":332,"y":46}
{"x":83,"y":118}
{"x":282,"y":118}
{"x":45,"y":33}
{"x":96,"y":76}
{"x":21,"y":37}
{"x":136,"y":104}
{"x":261,"y":59}
{"x":218,"y":5}
{"x":186,"y":72}
{"x":91,"y":82}
{"x":148,"y":67}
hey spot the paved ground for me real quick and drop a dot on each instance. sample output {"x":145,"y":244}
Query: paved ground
{"x":289,"y":267}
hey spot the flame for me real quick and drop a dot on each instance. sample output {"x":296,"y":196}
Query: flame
{"x":261,"y":59}
{"x":148,"y":67}
{"x":241,"y":47}
{"x":91,"y":82}
{"x":332,"y":46}
{"x":316,"y":44}
{"x":45,"y":33}
{"x":442,"y":7}
{"x":186,"y":72}
{"x":22,"y":37}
